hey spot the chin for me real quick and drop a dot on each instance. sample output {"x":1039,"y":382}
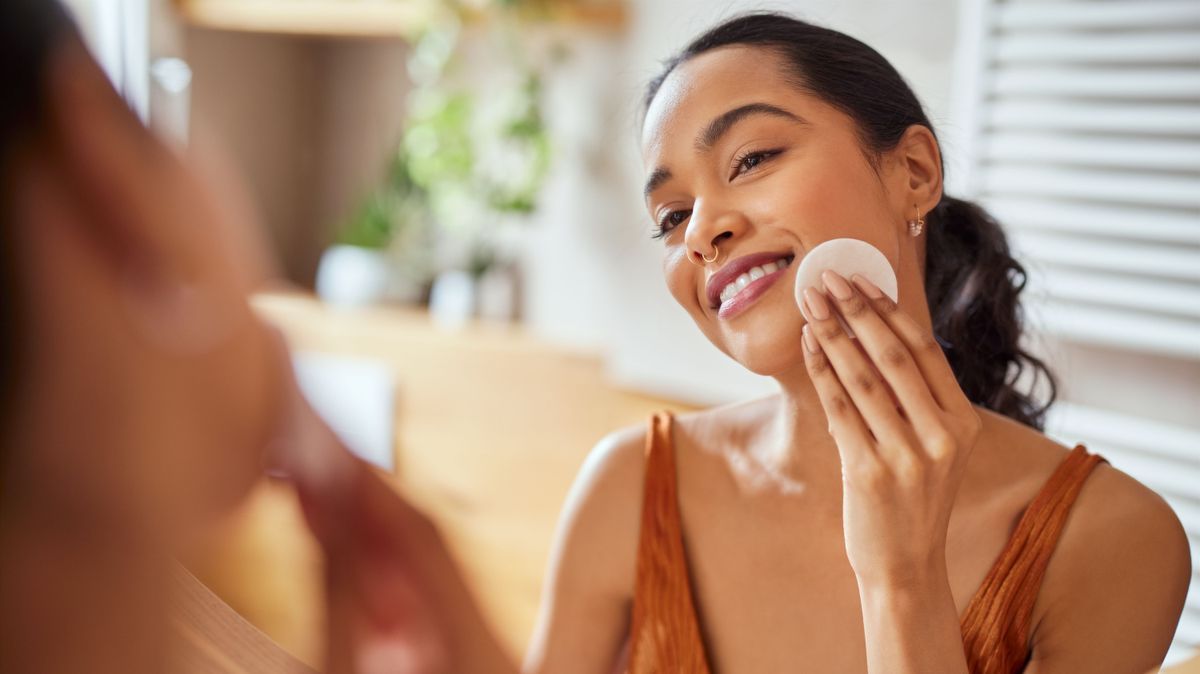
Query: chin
{"x":766,"y":339}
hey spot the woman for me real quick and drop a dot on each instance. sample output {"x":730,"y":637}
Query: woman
{"x":865,"y":517}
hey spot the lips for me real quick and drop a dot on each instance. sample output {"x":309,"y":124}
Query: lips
{"x":735,"y":268}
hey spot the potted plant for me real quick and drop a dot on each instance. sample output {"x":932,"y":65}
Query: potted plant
{"x":382,"y":251}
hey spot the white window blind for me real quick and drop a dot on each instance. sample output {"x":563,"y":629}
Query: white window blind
{"x":1082,"y":135}
{"x":1078,"y":127}
{"x":117,"y":31}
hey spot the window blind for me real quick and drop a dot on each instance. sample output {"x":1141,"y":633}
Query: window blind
{"x":1081,"y":133}
{"x":1078,"y":127}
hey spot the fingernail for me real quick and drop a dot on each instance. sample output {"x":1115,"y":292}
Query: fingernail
{"x":869,"y":289}
{"x":837,"y":285}
{"x":805,"y":312}
{"x":810,"y":341}
{"x":816,"y":304}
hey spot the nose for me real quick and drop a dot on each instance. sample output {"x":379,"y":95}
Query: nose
{"x":708,"y":230}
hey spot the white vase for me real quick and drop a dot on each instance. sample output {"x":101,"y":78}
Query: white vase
{"x":351,"y":276}
{"x":452,"y":298}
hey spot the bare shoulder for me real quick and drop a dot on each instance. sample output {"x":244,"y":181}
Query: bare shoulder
{"x":1116,"y":582}
{"x":601,"y":517}
{"x":598,"y":525}
{"x":590,"y":578}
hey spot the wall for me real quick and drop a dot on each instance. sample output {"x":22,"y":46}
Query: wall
{"x":309,"y":122}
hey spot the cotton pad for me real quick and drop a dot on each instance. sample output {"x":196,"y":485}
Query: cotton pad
{"x":846,"y":257}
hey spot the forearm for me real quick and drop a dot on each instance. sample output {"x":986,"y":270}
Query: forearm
{"x":912,"y":628}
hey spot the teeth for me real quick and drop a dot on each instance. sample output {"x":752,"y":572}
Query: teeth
{"x":751,"y":275}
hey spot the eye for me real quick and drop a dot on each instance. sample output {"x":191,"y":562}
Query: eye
{"x":670,"y":220}
{"x":750,"y":160}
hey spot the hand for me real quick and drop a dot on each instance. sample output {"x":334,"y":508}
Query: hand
{"x":903,"y":427}
{"x":396,"y":600}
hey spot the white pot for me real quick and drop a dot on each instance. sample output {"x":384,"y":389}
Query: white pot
{"x":452,"y":298}
{"x":350,"y":276}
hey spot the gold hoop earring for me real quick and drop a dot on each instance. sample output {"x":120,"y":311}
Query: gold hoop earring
{"x":915,"y":227}
{"x":715,"y":255}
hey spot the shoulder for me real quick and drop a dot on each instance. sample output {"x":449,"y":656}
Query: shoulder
{"x":598,"y":528}
{"x":610,"y":479}
{"x":593,"y":561}
{"x":1116,"y":582}
{"x":1124,"y":533}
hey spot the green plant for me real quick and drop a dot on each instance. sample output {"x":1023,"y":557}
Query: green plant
{"x":467,"y":157}
{"x":391,"y":210}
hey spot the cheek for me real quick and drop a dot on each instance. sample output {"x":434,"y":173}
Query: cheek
{"x":826,"y":199}
{"x":680,"y":276}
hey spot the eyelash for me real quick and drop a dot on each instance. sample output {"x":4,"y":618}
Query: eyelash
{"x":762,"y":155}
{"x":740,"y":161}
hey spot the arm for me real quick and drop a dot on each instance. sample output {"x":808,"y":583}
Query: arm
{"x":1115,"y":587}
{"x":913,"y":626}
{"x":584,"y":618}
{"x":904,"y":430}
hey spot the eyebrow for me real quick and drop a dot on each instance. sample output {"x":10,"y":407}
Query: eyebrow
{"x":716,"y":129}
{"x":660,"y":176}
{"x":727,"y":120}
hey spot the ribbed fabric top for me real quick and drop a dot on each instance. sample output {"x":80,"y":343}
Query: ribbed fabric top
{"x":665,"y":630}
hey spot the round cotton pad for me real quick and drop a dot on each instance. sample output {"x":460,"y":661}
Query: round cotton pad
{"x":846,"y":257}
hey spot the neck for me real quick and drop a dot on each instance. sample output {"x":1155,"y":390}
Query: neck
{"x":797,"y":447}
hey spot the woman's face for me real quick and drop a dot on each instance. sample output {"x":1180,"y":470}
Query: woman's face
{"x":737,"y":157}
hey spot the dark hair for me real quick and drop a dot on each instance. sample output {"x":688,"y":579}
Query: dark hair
{"x":972,"y":281}
{"x":28,"y":31}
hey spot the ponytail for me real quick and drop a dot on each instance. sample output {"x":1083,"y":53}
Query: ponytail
{"x":973,"y":285}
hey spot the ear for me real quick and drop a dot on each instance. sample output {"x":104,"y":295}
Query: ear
{"x":919,"y":160}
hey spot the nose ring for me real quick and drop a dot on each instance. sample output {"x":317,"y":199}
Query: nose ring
{"x":714,"y":257}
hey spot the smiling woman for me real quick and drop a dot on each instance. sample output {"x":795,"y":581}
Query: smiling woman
{"x":894,"y":507}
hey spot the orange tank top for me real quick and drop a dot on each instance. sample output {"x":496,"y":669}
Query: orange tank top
{"x":665,"y":631}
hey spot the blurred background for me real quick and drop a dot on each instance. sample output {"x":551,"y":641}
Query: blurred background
{"x":454,"y":188}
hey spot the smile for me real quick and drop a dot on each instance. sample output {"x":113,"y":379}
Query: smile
{"x":739,"y":294}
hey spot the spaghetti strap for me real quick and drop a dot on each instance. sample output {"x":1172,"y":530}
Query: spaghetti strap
{"x":665,"y":631}
{"x":996,"y":623}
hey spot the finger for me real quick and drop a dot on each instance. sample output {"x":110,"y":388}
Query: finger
{"x":926,"y":352}
{"x":866,"y":388}
{"x":846,"y":425}
{"x":890,"y":355}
